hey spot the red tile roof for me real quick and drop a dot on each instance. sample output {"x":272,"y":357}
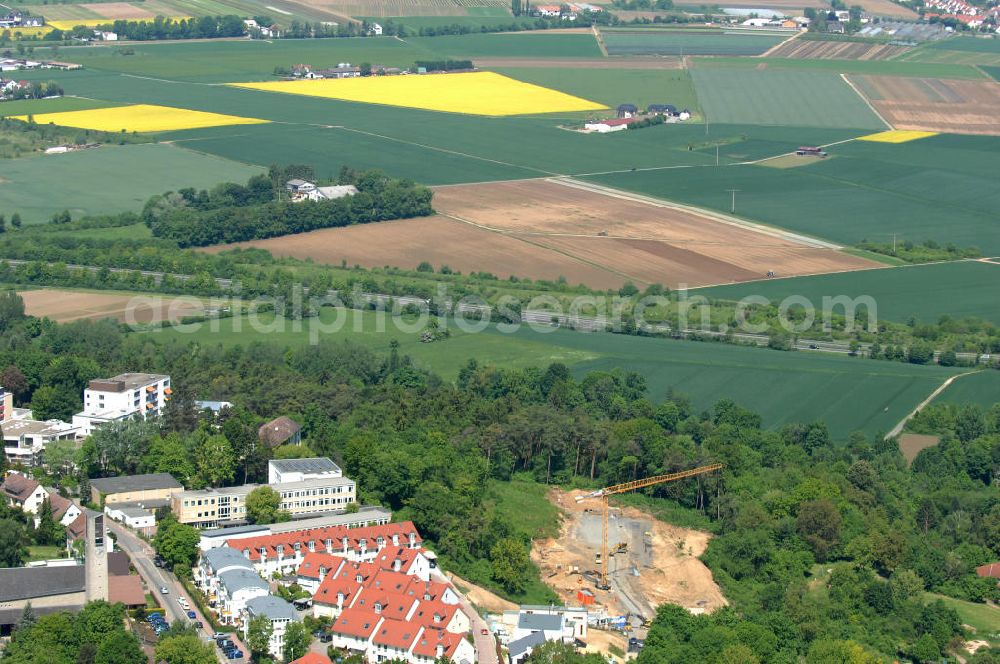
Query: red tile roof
{"x":314,"y":561}
{"x":396,"y":634}
{"x":312,"y":658}
{"x":429,"y":640}
{"x":336,"y":534}
{"x":434,"y":613}
{"x":18,"y":486}
{"x":358,"y":623}
{"x":991,"y":570}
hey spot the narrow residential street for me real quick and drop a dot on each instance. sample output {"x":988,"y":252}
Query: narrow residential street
{"x":486,"y":645}
{"x":142,"y":555}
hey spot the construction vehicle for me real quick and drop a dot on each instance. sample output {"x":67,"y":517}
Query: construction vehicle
{"x":621,"y":547}
{"x":602,"y":494}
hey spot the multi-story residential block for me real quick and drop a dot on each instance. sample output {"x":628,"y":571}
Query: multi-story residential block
{"x":365,"y":516}
{"x":284,"y":552}
{"x":280,"y":471}
{"x":126,"y":395}
{"x":279,"y":612}
{"x":24,"y":439}
{"x":211,"y":508}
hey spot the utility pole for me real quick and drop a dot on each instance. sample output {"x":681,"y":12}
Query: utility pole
{"x":732,"y":208}
{"x":716,"y":154}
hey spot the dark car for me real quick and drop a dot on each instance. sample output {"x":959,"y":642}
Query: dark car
{"x":234,"y":654}
{"x":199,"y":624}
{"x":192,"y":615}
{"x":326,"y":637}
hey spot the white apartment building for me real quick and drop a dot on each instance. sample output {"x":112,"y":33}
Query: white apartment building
{"x":212,"y":508}
{"x":229,"y":581}
{"x":24,"y":439}
{"x":125,"y":395}
{"x":279,"y":612}
{"x":282,"y":471}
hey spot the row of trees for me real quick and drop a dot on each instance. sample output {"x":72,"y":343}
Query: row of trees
{"x":95,"y":635}
{"x":205,"y":27}
{"x":245,"y":216}
{"x":34,"y":90}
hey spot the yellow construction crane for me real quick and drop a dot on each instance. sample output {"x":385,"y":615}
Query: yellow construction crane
{"x":625,"y":488}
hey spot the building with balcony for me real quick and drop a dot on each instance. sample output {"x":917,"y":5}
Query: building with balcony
{"x":125,"y":395}
{"x":212,"y":508}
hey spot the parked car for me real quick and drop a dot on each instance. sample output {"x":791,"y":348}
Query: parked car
{"x":199,"y":624}
{"x":164,"y":590}
{"x":234,"y":654}
{"x":192,"y":615}
{"x":326,"y":637}
{"x":219,"y":636}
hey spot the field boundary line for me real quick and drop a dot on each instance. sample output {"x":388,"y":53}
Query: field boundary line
{"x":898,"y":429}
{"x":706,"y":214}
{"x":865,"y":99}
{"x":447,"y":151}
{"x":774,"y":48}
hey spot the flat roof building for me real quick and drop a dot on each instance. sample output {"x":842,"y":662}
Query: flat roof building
{"x":123,"y":396}
{"x":134,"y":488}
{"x":297,"y":470}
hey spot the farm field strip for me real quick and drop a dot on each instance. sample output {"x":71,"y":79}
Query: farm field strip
{"x":680,"y":43}
{"x":897,"y":136}
{"x":64,"y":306}
{"x":808,"y":49}
{"x":140,"y":118}
{"x":477,"y":93}
{"x":934,"y":105}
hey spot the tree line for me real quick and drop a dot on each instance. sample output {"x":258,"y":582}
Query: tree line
{"x":234,"y":213}
{"x":205,"y":27}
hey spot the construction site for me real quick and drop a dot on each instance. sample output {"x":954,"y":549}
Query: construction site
{"x":649,"y":562}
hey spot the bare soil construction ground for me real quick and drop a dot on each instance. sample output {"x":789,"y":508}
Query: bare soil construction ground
{"x":934,"y":104}
{"x":911,"y":444}
{"x":806,"y":49}
{"x":665,"y":62}
{"x":661,"y":564}
{"x":649,"y":243}
{"x":64,"y":306}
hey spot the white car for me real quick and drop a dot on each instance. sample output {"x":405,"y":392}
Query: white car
{"x":183,"y":602}
{"x":164,"y":590}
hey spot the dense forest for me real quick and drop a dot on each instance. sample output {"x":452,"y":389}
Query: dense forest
{"x":234,"y":213}
{"x":820,"y":547}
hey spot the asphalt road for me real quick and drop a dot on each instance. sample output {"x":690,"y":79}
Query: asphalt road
{"x":142,"y":555}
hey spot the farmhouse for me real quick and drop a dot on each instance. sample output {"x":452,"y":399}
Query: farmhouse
{"x":375,"y":29}
{"x":606,"y":126}
{"x":548,"y":10}
{"x":627,"y":110}
{"x":301,"y":190}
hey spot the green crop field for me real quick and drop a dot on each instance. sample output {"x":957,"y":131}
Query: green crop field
{"x":498,"y":17}
{"x":924,"y":292}
{"x":677,"y":42}
{"x":56,"y":105}
{"x":896,"y":67}
{"x":516,"y":44}
{"x":981,"y":388}
{"x":615,"y":86}
{"x":107,"y":179}
{"x":935,"y":188}
{"x":766,"y":97}
{"x":967,"y":44}
{"x":848,"y":393}
{"x":993,"y":72}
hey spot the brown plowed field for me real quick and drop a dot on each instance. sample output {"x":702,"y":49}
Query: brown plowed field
{"x":64,"y":306}
{"x":805,"y":49}
{"x":934,"y":104}
{"x":119,"y":10}
{"x":650,"y":243}
{"x":545,"y":230}
{"x":439,"y":241}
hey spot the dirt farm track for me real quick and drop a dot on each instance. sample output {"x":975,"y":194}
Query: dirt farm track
{"x":542,"y":229}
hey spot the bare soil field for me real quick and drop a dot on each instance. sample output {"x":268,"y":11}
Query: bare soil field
{"x":648,"y":242}
{"x":666,"y":62}
{"x":64,"y":306}
{"x":934,"y":104}
{"x":664,"y":556}
{"x":804,"y":49}
{"x":439,"y":241}
{"x":911,"y":444}
{"x":118,"y":10}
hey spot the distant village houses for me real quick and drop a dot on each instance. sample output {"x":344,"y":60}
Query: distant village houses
{"x":302,"y":190}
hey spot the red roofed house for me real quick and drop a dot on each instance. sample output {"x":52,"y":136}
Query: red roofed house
{"x":312,"y":658}
{"x":285,"y":552}
{"x":989,"y":571}
{"x":23,"y":492}
{"x":354,"y":628}
{"x":433,"y":644}
{"x":393,"y":640}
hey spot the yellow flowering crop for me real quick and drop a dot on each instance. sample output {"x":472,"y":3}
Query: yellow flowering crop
{"x":476,"y":93}
{"x":897,"y":136}
{"x":69,"y":24}
{"x":141,"y":118}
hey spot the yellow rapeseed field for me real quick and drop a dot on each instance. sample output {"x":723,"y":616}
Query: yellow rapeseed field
{"x":69,"y":24}
{"x":141,"y":118}
{"x":476,"y":93}
{"x":897,"y":136}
